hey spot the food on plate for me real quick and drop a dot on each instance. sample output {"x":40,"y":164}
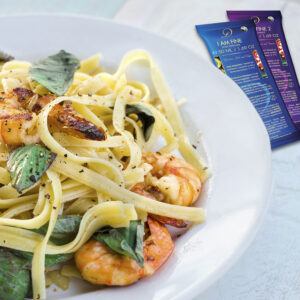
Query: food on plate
{"x":99,"y":264}
{"x":18,"y":116}
{"x":82,"y":189}
{"x":171,"y":180}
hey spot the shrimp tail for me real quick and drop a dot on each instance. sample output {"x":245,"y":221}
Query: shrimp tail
{"x":178,"y":223}
{"x":158,"y":247}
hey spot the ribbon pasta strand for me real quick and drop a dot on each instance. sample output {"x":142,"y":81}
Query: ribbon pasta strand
{"x":88,"y":177}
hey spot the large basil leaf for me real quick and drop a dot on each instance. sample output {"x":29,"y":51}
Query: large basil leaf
{"x":65,"y":229}
{"x":27,"y":165}
{"x":55,"y":72}
{"x":144,"y":115}
{"x":4,"y":57}
{"x":126,"y":240}
{"x":14,"y":276}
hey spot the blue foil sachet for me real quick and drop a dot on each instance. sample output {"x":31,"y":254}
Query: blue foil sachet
{"x":235,"y":50}
{"x":272,"y":40}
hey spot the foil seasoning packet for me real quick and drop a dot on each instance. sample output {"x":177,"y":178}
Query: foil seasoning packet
{"x":235,"y":50}
{"x":274,"y":45}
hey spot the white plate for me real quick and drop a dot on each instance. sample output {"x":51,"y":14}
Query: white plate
{"x":236,"y":195}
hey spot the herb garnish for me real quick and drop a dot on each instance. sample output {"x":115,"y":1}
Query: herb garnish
{"x":144,"y":115}
{"x":126,"y":240}
{"x":27,"y":165}
{"x":65,"y":229}
{"x":14,"y":276}
{"x":55,"y":72}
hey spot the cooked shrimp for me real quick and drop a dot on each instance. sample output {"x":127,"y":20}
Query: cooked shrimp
{"x":98,"y":264}
{"x":18,"y":118}
{"x":171,"y":180}
{"x":139,"y":188}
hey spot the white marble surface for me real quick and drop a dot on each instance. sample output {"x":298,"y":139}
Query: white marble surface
{"x":269,"y":269}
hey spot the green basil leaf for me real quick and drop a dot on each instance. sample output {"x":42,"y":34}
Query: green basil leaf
{"x":55,"y":72}
{"x":50,"y":259}
{"x":27,"y":165}
{"x":65,"y":229}
{"x":144,"y":115}
{"x":14,"y":276}
{"x":126,"y":240}
{"x":4,"y":57}
{"x":19,"y":283}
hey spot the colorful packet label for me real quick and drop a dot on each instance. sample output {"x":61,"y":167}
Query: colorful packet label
{"x":281,"y":52}
{"x":273,"y":43}
{"x":235,"y":50}
{"x":259,"y":64}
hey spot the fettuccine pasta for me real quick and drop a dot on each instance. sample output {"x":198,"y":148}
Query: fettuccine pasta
{"x":96,"y":179}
